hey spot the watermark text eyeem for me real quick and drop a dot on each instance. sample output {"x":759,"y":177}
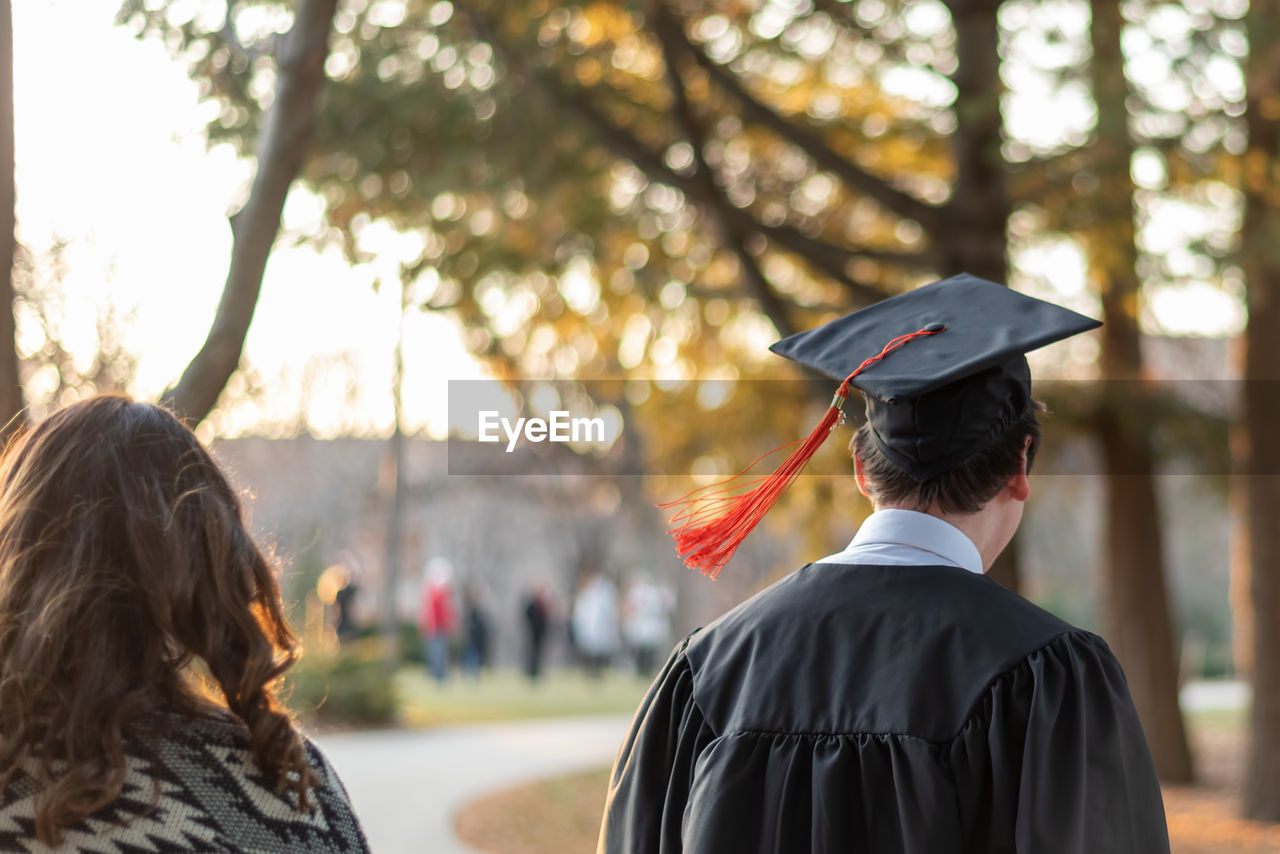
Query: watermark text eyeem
{"x":560,"y":427}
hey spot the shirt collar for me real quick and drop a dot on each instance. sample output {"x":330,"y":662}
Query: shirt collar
{"x":915,"y":530}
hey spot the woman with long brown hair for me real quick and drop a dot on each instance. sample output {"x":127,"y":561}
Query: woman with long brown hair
{"x":141,"y":644}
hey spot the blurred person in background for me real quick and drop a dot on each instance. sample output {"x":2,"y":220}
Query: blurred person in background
{"x":646,"y":620}
{"x":595,"y":622}
{"x":437,"y":616}
{"x":346,"y":625}
{"x":477,"y":630}
{"x":141,"y":645}
{"x":537,"y":622}
{"x":337,"y":589}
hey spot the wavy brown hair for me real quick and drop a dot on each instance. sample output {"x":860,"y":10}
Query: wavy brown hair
{"x":130,"y":590}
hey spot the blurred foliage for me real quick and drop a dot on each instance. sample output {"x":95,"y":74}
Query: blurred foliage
{"x":52,"y":327}
{"x":411,"y":651}
{"x":1183,"y":114}
{"x":604,"y":189}
{"x":657,"y":190}
{"x":352,"y":687}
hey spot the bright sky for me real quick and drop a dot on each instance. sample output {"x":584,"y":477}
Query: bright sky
{"x":111,"y":156}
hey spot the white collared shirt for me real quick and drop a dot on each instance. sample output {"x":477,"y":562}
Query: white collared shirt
{"x":909,"y":538}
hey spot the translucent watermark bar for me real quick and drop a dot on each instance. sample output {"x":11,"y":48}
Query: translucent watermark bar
{"x":707,"y":428}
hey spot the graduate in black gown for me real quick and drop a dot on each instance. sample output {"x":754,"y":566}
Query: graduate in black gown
{"x":892,"y":698}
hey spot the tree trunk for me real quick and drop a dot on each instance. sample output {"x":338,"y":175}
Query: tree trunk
{"x":395,"y":513}
{"x":1136,"y":617}
{"x":285,"y":137}
{"x":1259,"y":455}
{"x":11,"y":404}
{"x":394,"y":560}
{"x":1240,"y":596}
{"x":1262,"y":771}
{"x":1135,"y":606}
{"x":973,"y":235}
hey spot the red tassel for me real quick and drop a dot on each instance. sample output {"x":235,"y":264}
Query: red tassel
{"x":714,"y":520}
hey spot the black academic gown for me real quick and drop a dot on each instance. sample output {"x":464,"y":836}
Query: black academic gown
{"x":884,"y":709}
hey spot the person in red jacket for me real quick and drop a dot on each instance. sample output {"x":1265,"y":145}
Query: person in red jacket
{"x":437,"y":616}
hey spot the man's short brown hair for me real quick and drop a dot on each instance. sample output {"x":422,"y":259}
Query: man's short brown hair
{"x":965,"y":488}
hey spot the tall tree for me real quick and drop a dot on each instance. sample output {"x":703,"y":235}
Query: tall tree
{"x":554,"y":193}
{"x":590,"y":181}
{"x":393,"y":553}
{"x":975,"y":232}
{"x":11,"y":405}
{"x":964,"y":226}
{"x":1258,"y":456}
{"x":1135,"y":599}
{"x":282,"y":145}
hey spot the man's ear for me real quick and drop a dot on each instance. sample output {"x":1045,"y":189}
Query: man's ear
{"x":860,"y":476}
{"x":1019,"y":486}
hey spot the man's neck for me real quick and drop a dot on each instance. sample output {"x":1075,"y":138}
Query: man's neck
{"x":986,"y":528}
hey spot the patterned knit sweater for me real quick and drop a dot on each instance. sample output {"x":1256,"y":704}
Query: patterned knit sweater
{"x":196,"y":789}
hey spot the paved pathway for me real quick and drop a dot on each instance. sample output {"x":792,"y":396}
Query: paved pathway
{"x":407,"y":785}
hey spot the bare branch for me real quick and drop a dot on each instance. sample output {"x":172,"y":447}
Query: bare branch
{"x":903,"y":204}
{"x":282,"y":147}
{"x":11,"y":400}
{"x":830,"y":260}
{"x":842,"y":15}
{"x":731,"y":233}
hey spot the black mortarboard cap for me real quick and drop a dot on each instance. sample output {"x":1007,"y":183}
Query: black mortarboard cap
{"x":940,"y":398}
{"x":944,"y":373}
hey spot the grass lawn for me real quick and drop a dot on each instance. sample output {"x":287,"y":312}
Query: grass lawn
{"x":1210,"y":721}
{"x":509,"y":695}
